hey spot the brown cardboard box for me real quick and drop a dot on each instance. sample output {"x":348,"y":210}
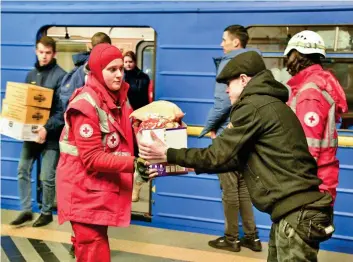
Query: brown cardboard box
{"x":28,"y":95}
{"x":25,"y":114}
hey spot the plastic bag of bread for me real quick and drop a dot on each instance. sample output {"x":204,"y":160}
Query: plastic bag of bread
{"x":161,"y":108}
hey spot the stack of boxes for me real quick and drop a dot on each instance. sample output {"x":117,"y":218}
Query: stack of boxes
{"x":25,"y":108}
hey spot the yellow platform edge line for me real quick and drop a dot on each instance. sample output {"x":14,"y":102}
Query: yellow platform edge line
{"x":343,"y":141}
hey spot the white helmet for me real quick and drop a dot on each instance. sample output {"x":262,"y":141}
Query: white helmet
{"x":306,"y":42}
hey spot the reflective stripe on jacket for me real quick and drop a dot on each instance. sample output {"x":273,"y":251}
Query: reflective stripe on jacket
{"x":317,"y":100}
{"x":94,"y":174}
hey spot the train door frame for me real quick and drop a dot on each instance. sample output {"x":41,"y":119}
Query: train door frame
{"x":140,"y":47}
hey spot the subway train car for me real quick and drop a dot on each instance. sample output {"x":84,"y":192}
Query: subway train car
{"x":184,"y":36}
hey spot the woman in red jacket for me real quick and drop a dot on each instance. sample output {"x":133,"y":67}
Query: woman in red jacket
{"x":318,"y":100}
{"x":96,"y":166}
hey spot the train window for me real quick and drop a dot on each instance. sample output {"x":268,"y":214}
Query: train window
{"x":275,"y":39}
{"x":148,"y":61}
{"x":272,"y":41}
{"x":146,"y":52}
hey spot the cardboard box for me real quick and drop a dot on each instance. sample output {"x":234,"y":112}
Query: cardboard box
{"x":25,"y":114}
{"x":175,"y":138}
{"x":18,"y":130}
{"x":28,"y":95}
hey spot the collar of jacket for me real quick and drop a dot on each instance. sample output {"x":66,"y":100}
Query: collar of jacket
{"x":231,"y":54}
{"x":133,"y":73}
{"x":114,"y":100}
{"x":47,"y":67}
{"x":80,"y":58}
{"x":298,"y":79}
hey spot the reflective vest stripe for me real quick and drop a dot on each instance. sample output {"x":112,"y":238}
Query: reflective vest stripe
{"x":330,"y":141}
{"x":65,"y":146}
{"x":103,"y":116}
{"x":308,"y":45}
{"x":322,"y":143}
{"x":68,"y":149}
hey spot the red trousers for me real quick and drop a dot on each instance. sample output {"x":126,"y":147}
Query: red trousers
{"x":90,"y":242}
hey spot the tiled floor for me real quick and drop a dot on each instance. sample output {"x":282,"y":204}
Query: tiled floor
{"x":135,"y":243}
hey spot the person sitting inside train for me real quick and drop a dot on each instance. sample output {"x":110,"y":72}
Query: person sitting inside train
{"x":138,"y":97}
{"x":318,"y":100}
{"x":96,"y":166}
{"x":266,"y":143}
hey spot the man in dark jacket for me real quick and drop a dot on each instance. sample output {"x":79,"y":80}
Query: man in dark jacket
{"x":47,"y":74}
{"x":266,"y":143}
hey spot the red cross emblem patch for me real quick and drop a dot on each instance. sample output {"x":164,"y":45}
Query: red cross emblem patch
{"x":113,"y":140}
{"x":311,"y":119}
{"x":86,"y":130}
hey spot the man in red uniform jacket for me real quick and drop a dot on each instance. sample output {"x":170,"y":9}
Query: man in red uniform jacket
{"x":318,"y":100}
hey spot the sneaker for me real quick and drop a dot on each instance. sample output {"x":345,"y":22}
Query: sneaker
{"x":225,"y":244}
{"x":43,"y":220}
{"x":22,"y":218}
{"x":252,"y":243}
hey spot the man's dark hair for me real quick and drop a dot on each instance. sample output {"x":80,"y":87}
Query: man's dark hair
{"x":47,"y":41}
{"x":99,"y":38}
{"x":239,"y":32}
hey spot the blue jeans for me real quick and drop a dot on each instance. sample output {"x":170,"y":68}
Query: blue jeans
{"x":50,"y":158}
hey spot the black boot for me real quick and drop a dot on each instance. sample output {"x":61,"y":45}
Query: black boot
{"x":22,"y":218}
{"x":252,"y":243}
{"x":72,"y":251}
{"x":43,"y":220}
{"x":225,"y":244}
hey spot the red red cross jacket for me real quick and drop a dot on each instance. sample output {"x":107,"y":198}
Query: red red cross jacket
{"x":95,"y":170}
{"x":318,"y":100}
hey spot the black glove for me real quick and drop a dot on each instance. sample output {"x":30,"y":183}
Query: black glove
{"x":141,"y":169}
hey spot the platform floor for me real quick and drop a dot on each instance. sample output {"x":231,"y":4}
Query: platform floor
{"x":135,"y":243}
{"x":142,"y":206}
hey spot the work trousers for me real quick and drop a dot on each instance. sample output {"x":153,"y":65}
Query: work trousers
{"x":90,"y":242}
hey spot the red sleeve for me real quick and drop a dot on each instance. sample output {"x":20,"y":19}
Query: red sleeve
{"x":312,"y":111}
{"x":88,"y":140}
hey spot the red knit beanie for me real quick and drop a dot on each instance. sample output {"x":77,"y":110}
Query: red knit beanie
{"x":101,"y":55}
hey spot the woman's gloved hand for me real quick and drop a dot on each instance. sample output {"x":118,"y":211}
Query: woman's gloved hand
{"x":142,"y":169}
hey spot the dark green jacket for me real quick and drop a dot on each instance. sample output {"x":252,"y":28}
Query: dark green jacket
{"x":267,"y":144}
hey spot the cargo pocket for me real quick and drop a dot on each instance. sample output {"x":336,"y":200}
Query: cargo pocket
{"x":102,"y":182}
{"x":315,"y":226}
